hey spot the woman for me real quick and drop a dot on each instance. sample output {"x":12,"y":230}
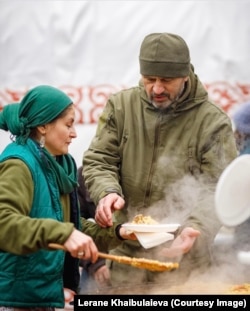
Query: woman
{"x":39,"y":205}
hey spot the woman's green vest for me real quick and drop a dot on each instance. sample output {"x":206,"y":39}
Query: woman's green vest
{"x":37,"y":277}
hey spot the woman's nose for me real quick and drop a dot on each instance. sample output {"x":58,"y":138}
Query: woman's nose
{"x":73,"y":133}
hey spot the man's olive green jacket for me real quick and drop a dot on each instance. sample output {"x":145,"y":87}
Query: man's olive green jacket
{"x":164,"y":163}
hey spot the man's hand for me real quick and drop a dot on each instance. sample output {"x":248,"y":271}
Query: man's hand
{"x":182,"y":243}
{"x":105,"y":208}
{"x":102,"y":276}
{"x":127,"y":234}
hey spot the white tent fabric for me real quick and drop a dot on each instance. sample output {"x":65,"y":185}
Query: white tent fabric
{"x":90,"y":49}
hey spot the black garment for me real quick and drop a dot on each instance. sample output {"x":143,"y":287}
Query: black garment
{"x":87,"y":209}
{"x":87,"y":206}
{"x":71,"y":276}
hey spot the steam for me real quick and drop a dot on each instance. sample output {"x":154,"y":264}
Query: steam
{"x":181,"y":197}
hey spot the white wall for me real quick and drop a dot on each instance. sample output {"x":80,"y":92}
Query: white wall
{"x":90,"y":49}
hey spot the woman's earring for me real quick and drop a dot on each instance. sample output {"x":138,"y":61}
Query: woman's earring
{"x":42,"y":141}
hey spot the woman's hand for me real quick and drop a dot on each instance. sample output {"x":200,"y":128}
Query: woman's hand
{"x":81,"y":246}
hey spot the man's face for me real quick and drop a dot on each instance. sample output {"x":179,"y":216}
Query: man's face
{"x":163,"y":91}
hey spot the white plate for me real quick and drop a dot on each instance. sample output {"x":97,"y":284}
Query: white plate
{"x":232,"y":195}
{"x":151,"y":228}
{"x":152,"y":239}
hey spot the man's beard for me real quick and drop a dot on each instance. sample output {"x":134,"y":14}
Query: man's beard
{"x":169,"y":101}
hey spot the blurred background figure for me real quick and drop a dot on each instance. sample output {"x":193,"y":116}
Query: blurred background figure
{"x":93,"y":275}
{"x":241,"y":120}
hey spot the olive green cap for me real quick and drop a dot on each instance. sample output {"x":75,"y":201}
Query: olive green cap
{"x":164,"y":55}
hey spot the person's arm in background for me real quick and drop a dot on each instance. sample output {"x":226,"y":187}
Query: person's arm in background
{"x":98,"y":270}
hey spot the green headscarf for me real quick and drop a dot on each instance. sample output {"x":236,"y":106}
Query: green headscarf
{"x":39,"y":106}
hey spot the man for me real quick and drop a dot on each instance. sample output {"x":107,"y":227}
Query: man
{"x":159,"y":150}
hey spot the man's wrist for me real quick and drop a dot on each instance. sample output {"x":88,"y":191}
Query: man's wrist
{"x":117,"y":232}
{"x":109,"y":191}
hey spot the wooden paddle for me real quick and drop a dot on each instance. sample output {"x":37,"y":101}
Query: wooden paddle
{"x":142,"y":263}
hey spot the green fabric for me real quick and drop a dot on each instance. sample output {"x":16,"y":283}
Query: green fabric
{"x":39,"y":106}
{"x":63,"y":168}
{"x":21,"y":234}
{"x":164,"y":55}
{"x":40,"y":272}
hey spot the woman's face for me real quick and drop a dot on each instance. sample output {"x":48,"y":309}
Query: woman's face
{"x":59,"y":133}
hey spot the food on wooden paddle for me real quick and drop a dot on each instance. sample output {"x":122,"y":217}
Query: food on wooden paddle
{"x":142,"y":263}
{"x":154,"y":265}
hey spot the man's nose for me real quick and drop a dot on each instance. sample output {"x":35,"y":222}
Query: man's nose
{"x":158,"y":88}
